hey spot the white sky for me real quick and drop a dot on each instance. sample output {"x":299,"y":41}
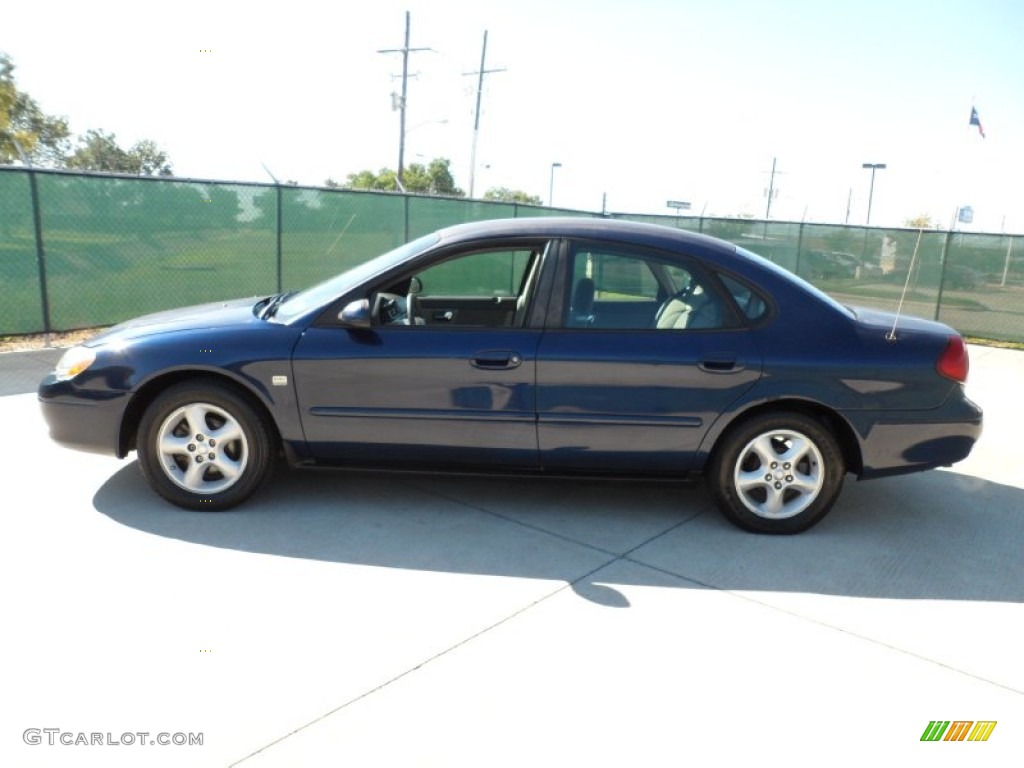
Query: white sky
{"x":645,"y":100}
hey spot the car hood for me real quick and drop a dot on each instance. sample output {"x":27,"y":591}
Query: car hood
{"x":877,"y":318}
{"x":202,"y":316}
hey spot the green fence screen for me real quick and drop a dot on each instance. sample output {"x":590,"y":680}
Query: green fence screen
{"x":84,"y":250}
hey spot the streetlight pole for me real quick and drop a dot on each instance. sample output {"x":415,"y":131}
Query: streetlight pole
{"x":871,"y":193}
{"x":551,"y":185}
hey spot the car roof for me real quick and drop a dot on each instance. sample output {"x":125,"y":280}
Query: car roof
{"x":568,"y":226}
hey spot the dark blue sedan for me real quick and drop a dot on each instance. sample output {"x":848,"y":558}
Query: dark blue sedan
{"x":555,"y":346}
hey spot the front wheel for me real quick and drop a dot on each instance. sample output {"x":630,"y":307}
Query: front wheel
{"x":777,"y":473}
{"x":203,"y":446}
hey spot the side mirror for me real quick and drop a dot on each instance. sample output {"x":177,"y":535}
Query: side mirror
{"x":356,"y":314}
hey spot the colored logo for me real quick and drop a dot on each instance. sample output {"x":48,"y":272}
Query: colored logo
{"x":958,"y":730}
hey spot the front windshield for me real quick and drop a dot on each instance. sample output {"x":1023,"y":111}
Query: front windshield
{"x":330,"y":289}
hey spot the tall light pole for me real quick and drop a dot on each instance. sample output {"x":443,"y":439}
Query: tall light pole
{"x":551,"y":185}
{"x":871,"y":193}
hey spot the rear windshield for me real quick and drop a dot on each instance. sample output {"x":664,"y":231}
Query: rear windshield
{"x":787,"y":275}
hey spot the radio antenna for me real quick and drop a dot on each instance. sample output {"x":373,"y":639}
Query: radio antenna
{"x":891,"y":336}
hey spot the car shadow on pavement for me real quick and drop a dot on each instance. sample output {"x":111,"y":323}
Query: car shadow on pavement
{"x":935,"y":535}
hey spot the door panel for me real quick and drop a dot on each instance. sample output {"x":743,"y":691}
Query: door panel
{"x":636,"y":402}
{"x":419,"y":396}
{"x":624,"y":385}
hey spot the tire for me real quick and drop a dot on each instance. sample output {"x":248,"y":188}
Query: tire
{"x":777,"y":473}
{"x":202,"y":446}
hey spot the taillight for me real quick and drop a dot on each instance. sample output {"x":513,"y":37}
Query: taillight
{"x":953,"y":363}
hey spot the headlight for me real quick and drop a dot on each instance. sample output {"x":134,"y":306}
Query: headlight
{"x":73,"y":362}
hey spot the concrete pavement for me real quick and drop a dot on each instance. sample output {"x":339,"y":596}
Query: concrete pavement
{"x":373,"y":620}
{"x":22,"y":371}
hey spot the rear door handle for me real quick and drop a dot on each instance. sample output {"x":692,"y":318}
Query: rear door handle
{"x":497,"y":359}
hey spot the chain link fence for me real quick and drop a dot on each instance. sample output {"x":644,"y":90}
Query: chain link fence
{"x":973,"y":282}
{"x":82,"y":250}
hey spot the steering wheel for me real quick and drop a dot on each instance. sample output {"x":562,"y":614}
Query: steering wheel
{"x":389,"y":309}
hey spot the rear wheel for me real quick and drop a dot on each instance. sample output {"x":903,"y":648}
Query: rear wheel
{"x":203,"y":446}
{"x":777,"y":473}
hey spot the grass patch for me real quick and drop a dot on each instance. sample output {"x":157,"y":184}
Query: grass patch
{"x":994,"y":343}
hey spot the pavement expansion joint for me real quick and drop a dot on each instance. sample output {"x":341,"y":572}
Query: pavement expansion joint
{"x":824,"y":624}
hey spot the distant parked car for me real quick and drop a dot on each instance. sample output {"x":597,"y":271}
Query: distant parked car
{"x":962,"y":278}
{"x":829,"y":265}
{"x":557,"y":346}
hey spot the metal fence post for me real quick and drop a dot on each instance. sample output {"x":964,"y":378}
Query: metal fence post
{"x":280,"y":227}
{"x":799,"y":245}
{"x":405,"y":214}
{"x":37,"y":218}
{"x":942,"y":273}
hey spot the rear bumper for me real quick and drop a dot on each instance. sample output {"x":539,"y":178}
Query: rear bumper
{"x":918,"y":440}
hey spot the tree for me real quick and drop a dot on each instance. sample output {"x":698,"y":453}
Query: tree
{"x":368,"y":180}
{"x":506,"y":195}
{"x":99,"y":151}
{"x":923,"y":221}
{"x":434,"y":178}
{"x":152,"y":161}
{"x":441,"y":180}
{"x":842,"y":240}
{"x":42,"y":138}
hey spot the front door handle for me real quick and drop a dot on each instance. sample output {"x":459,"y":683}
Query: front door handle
{"x":497,"y":359}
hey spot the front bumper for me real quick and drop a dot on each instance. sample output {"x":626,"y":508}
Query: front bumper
{"x":81,"y":419}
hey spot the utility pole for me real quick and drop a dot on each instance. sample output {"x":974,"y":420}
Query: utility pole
{"x":476,"y":120}
{"x":771,"y":191}
{"x":405,"y":50}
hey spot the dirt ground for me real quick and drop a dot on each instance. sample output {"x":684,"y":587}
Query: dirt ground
{"x":42,"y":340}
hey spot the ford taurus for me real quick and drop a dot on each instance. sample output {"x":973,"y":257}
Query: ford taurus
{"x":555,"y":346}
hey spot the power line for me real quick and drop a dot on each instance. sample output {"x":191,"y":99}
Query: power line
{"x":405,"y":50}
